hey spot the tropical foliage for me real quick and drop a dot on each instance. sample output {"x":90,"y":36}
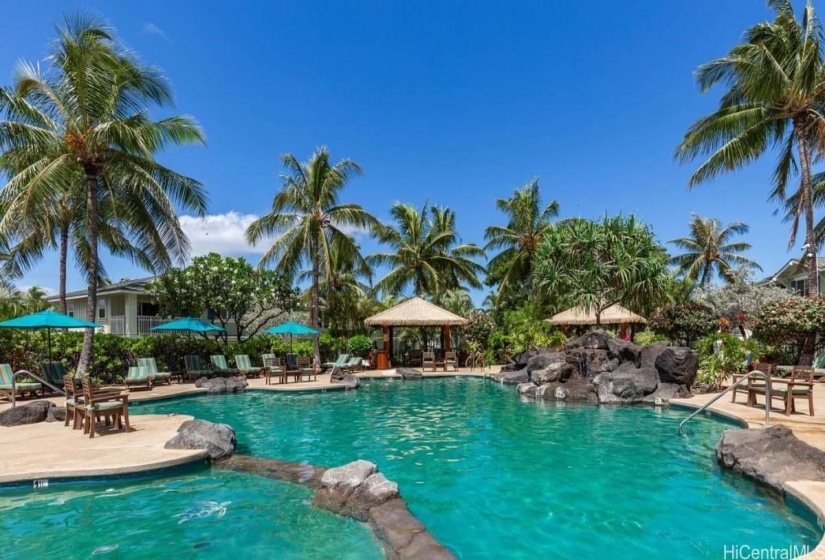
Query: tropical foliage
{"x":79,"y":134}
{"x":311,"y":225}
{"x":723,"y":354}
{"x":598,"y":264}
{"x":684,"y":323}
{"x":226,"y":289}
{"x":774,"y":98}
{"x":709,"y":251}
{"x":795,"y":321}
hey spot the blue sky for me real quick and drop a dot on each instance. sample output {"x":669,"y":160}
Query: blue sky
{"x":455,"y":103}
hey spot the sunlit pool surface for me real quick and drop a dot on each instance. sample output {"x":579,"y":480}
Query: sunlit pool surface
{"x":490,"y":475}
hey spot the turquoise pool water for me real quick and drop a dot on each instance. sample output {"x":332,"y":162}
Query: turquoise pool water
{"x":491,"y":476}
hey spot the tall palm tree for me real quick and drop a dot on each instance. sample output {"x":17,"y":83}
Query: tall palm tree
{"x":775,"y":97}
{"x":527,"y":222}
{"x":427,"y":254}
{"x":709,"y":251}
{"x":311,"y":222}
{"x":85,"y":120}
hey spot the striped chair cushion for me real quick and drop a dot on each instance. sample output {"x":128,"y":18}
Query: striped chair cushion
{"x":137,"y":374}
{"x":218,"y":361}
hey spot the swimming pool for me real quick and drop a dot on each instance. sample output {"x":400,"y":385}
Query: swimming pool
{"x":490,"y":475}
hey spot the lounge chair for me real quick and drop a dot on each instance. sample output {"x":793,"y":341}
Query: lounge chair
{"x":194,"y":370}
{"x":219,"y":365}
{"x":109,"y":406}
{"x":52,"y":372}
{"x":339,"y":362}
{"x":272,"y":368}
{"x":427,"y":361}
{"x":152,"y":367}
{"x":305,"y":369}
{"x":245,"y":366}
{"x":138,"y":375}
{"x":450,"y":361}
{"x":8,"y":386}
{"x":352,"y":364}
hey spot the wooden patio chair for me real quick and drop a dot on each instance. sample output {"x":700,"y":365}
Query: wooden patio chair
{"x":801,"y":386}
{"x":427,"y":360}
{"x":450,"y":361}
{"x":756,"y":366}
{"x":272,"y":368}
{"x":305,"y":369}
{"x":108,"y":406}
{"x":72,"y":400}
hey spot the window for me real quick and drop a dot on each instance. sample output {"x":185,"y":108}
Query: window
{"x":101,"y":309}
{"x":70,"y":309}
{"x":146,"y":309}
{"x":800,"y":287}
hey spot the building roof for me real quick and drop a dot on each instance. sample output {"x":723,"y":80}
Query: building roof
{"x":415,"y":312}
{"x":793,"y":265}
{"x":613,"y":315}
{"x":126,"y":287}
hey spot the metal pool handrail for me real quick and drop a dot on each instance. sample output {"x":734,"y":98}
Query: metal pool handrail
{"x":28,"y":374}
{"x":723,"y":393}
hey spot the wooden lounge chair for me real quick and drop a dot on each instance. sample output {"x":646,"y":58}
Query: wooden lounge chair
{"x":9,"y":386}
{"x":339,"y":362}
{"x":152,"y":367}
{"x":220,"y":367}
{"x":764,"y":367}
{"x":112,"y":407}
{"x":52,"y":372}
{"x":306,"y":369}
{"x":136,"y":376}
{"x":450,"y":361}
{"x":194,"y":370}
{"x":72,"y":400}
{"x":272,"y":368}
{"x":428,"y":361}
{"x":245,"y":366}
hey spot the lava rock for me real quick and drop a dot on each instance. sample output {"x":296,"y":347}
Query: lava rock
{"x":627,"y":385}
{"x":649,"y":353}
{"x":512,"y":377}
{"x":665,"y":392}
{"x":337,"y":374}
{"x":349,"y":381}
{"x":528,"y":389}
{"x":348,"y":477}
{"x":217,"y":439}
{"x":593,"y":340}
{"x":375,"y":490}
{"x":409,"y":373}
{"x":56,"y":414}
{"x":577,"y":389}
{"x":624,"y":351}
{"x":678,"y":365}
{"x":220,"y":385}
{"x":556,"y":371}
{"x":29,"y":413}
{"x":544,"y":359}
{"x":772,"y":456}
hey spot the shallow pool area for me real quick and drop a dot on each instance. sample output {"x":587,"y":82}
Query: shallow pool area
{"x":489,"y":474}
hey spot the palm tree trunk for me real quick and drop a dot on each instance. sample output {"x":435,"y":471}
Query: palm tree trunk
{"x":91,"y":300}
{"x":807,"y":206}
{"x":64,"y":251}
{"x":313,"y":306}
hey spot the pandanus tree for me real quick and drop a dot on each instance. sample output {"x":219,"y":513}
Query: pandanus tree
{"x":426,"y":253}
{"x":80,"y":131}
{"x":775,"y":95}
{"x":710,"y":251}
{"x":309,"y":222}
{"x":528,"y":220}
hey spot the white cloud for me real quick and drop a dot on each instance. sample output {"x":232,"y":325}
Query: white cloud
{"x":49,"y":291}
{"x":152,"y":29}
{"x":221,"y":233}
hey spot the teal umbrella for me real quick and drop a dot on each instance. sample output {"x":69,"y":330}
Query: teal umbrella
{"x":48,"y":319}
{"x":291,"y":328}
{"x":189,"y":324}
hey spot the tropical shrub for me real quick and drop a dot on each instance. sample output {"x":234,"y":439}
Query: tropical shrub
{"x":647,"y":336}
{"x":683,"y":323}
{"x":525,"y":329}
{"x":741,"y":299}
{"x":723,"y":354}
{"x":479,"y":327}
{"x":792,"y":322}
{"x":359,"y":345}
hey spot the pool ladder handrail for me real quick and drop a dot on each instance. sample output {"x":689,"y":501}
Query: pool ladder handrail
{"x":725,"y":392}
{"x":28,"y":374}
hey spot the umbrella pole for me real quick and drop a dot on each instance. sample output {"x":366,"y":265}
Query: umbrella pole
{"x":49,"y":339}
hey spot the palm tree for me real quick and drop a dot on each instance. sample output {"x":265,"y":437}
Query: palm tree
{"x":709,"y":251}
{"x":311,"y":223}
{"x":776,"y":89}
{"x":427,"y":253}
{"x":85,"y":121}
{"x":527,"y":222}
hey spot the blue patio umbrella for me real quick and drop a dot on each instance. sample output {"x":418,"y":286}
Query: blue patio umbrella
{"x":292,"y":328}
{"x":190,"y":325}
{"x":48,"y":319}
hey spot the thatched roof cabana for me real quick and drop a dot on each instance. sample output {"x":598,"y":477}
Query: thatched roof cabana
{"x":613,"y":315}
{"x":415,"y":312}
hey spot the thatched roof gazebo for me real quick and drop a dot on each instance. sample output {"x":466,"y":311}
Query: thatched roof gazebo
{"x":414,"y":312}
{"x":613,"y":315}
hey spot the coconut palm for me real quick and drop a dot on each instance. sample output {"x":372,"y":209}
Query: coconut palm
{"x":528,"y":220}
{"x":709,"y":251}
{"x":84,"y":120}
{"x":427,"y":254}
{"x":775,"y":92}
{"x":311,"y":223}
